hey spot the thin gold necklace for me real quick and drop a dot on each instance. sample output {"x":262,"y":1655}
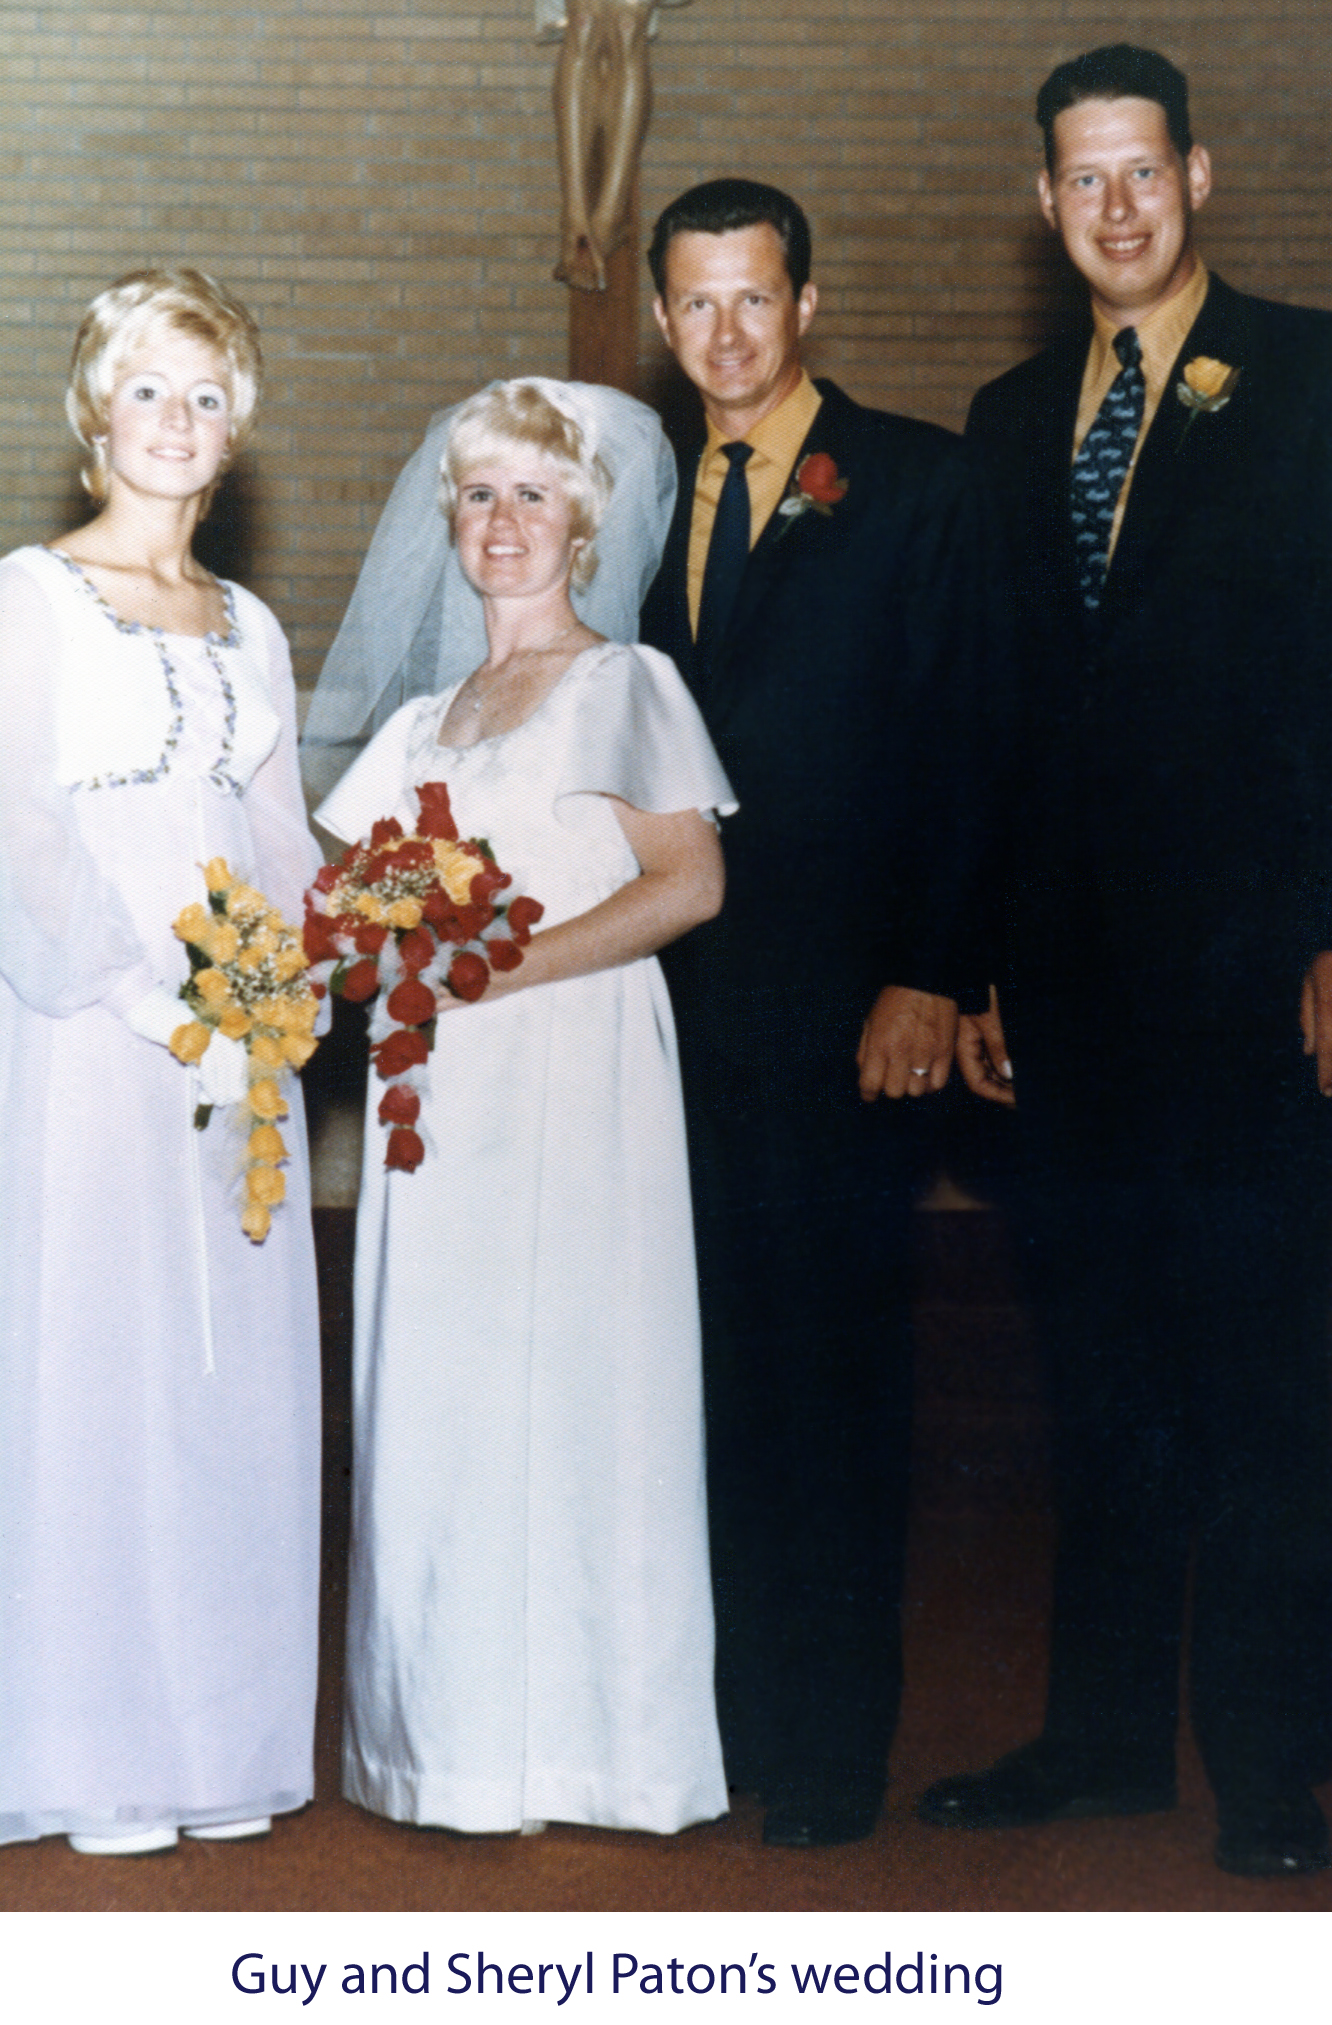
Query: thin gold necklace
{"x":479,"y":698}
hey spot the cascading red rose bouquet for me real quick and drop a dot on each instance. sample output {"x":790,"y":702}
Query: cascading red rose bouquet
{"x":405,"y":916}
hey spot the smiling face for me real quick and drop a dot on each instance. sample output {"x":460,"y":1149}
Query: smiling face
{"x":169,"y":418}
{"x":513,"y":522}
{"x":734,"y":322}
{"x":1122,"y":200}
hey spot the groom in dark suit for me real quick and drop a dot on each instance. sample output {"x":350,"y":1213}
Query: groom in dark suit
{"x":1166,"y":481}
{"x":819,"y":592}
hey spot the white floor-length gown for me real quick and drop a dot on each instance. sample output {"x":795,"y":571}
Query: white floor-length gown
{"x":159,"y":1379}
{"x":530,"y":1625}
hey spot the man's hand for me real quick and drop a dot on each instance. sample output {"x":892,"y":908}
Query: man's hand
{"x":906,"y":1044}
{"x":1316,"y":1016}
{"x":982,"y":1055}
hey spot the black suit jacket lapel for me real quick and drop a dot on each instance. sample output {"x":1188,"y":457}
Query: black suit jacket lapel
{"x":777,"y":548}
{"x":1045,"y":451}
{"x":1052,"y":425}
{"x":1178,"y":452}
{"x":709,"y":683}
{"x":778,"y":545}
{"x":772,"y":549}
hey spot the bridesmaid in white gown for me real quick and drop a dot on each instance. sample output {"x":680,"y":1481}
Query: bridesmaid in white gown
{"x":530,"y":1629}
{"x":159,"y":1435}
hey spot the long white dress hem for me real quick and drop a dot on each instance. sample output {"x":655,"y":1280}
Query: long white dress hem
{"x":481,"y":1808}
{"x":530,"y":1615}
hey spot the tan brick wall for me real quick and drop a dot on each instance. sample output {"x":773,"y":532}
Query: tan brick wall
{"x":913,"y":128}
{"x":378,"y":182}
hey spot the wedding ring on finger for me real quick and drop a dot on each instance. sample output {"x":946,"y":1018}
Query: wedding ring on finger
{"x":920,"y":1072}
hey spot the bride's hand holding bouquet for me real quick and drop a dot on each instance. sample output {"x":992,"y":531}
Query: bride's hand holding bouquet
{"x":415,"y":920}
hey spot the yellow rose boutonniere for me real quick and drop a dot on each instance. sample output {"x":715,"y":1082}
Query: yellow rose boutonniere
{"x":1206,"y":387}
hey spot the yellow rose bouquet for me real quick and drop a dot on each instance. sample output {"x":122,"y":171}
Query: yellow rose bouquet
{"x":248,"y":982}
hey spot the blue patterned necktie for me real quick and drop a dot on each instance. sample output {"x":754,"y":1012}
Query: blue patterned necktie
{"x":1101,"y":465}
{"x":728,"y":549}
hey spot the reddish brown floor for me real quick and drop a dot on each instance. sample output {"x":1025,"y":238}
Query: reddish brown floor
{"x":975,"y":1634}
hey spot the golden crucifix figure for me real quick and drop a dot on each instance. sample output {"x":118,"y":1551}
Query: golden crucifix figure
{"x":603,"y":97}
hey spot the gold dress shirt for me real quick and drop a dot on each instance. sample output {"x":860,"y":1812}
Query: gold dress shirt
{"x":775,"y":442}
{"x":1161,"y":334}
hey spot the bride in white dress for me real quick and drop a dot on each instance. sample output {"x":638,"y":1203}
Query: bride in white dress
{"x":159,"y":1437}
{"x":530,"y":1622}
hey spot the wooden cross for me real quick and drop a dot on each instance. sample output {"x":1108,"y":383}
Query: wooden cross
{"x":603,"y":323}
{"x":603,"y":103}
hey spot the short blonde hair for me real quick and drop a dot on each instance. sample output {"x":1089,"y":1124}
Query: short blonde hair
{"x":123,"y":319}
{"x":515,"y":414}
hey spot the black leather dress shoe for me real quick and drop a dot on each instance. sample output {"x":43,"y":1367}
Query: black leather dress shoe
{"x":1273,"y":1834}
{"x":1031,"y":1785}
{"x":819,"y":1825}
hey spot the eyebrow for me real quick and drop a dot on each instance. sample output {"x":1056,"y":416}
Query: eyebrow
{"x":1080,"y":166}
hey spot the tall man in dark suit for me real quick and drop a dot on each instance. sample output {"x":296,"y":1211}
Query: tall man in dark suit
{"x":1166,"y":478}
{"x":819,"y":594}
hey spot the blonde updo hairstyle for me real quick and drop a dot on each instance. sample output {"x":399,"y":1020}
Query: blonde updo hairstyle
{"x":140,"y":308}
{"x":514,"y":415}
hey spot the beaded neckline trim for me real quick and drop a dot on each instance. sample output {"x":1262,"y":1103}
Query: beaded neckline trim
{"x":219,"y":774}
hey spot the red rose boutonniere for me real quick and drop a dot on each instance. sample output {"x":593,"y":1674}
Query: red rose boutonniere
{"x":816,"y":485}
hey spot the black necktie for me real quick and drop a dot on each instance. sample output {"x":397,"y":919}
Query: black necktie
{"x":1100,"y":467}
{"x":728,"y":549}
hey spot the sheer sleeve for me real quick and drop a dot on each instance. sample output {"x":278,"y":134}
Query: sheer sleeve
{"x":636,"y":732}
{"x":286,"y":854}
{"x":66,"y":937}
